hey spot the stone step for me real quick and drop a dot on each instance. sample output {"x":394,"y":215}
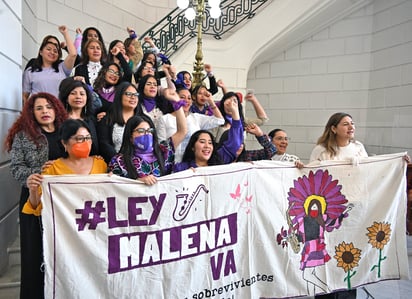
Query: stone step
{"x":10,"y":280}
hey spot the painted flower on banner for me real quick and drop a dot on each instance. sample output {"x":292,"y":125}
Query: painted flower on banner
{"x":348,"y":257}
{"x":379,"y":235}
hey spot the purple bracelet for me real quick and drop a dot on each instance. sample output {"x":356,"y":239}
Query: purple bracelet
{"x":177,"y":105}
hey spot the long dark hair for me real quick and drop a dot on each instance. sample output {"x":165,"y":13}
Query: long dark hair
{"x":100,"y":81}
{"x":127,"y":147}
{"x":69,"y":128}
{"x":65,"y":88}
{"x":227,"y":96}
{"x":110,"y":56}
{"x":163,"y":104}
{"x":189,"y":154}
{"x":138,"y":73}
{"x":36,"y":64}
{"x":115,"y":112}
{"x":84,"y":40}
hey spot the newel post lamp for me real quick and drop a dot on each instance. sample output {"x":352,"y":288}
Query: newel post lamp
{"x":196,"y":9}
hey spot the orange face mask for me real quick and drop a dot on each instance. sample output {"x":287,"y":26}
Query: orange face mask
{"x":81,"y":150}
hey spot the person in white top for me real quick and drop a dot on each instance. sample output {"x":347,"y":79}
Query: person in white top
{"x":166,"y":125}
{"x":280,"y":140}
{"x":337,"y":141}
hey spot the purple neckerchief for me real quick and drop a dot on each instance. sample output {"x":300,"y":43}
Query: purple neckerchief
{"x":148,"y":157}
{"x":206,"y":110}
{"x":149,"y":103}
{"x":107,"y":93}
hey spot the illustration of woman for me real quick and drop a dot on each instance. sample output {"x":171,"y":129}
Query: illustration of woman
{"x":316,"y":206}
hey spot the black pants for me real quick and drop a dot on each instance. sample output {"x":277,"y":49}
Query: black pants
{"x":351,"y":294}
{"x":31,"y":246}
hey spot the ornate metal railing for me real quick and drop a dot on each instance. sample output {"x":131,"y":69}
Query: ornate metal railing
{"x":174,"y":30}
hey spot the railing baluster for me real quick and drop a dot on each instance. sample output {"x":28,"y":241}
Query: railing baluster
{"x":174,"y":30}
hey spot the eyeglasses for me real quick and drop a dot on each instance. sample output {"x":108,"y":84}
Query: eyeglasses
{"x":130,"y":94}
{"x":110,"y":71}
{"x":81,"y":139}
{"x":151,"y":84}
{"x":144,"y":131}
{"x":282,"y":138}
{"x":148,"y":68}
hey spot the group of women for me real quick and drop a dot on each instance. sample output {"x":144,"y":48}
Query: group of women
{"x":98,"y":120}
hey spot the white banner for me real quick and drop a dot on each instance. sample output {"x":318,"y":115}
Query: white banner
{"x":261,"y":230}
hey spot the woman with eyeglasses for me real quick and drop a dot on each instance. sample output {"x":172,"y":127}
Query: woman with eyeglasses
{"x":145,"y":68}
{"x":109,"y":77}
{"x":117,"y":54}
{"x":141,"y":155}
{"x":280,"y":139}
{"x":110,"y":128}
{"x":149,"y":68}
{"x":77,"y":100}
{"x":33,"y":143}
{"x":76,"y":139}
{"x":47,"y":70}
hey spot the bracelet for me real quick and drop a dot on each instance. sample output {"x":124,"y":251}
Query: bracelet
{"x":177,"y":105}
{"x":133,"y":35}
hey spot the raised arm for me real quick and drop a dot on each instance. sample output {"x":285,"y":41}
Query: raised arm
{"x":71,"y":49}
{"x":260,"y":112}
{"x":213,"y":107}
{"x":268,"y":148}
{"x":222,"y":85}
{"x":212,"y":80}
{"x":181,"y":123}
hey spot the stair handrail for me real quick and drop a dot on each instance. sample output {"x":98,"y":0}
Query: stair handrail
{"x":173,"y":31}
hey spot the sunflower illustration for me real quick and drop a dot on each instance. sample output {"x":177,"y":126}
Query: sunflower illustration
{"x":348,"y":257}
{"x":379,"y":235}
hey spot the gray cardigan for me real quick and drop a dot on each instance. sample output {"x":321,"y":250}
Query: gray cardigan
{"x":27,"y":157}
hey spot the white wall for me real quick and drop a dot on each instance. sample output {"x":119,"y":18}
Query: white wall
{"x":42,"y":17}
{"x":360,"y":65}
{"x":10,"y":103}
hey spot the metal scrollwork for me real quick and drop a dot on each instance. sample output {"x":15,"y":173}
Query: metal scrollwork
{"x":174,"y":30}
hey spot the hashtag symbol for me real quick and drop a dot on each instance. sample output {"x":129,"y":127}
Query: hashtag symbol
{"x":90,"y":215}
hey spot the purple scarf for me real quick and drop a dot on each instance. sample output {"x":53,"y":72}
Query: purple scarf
{"x":149,"y":103}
